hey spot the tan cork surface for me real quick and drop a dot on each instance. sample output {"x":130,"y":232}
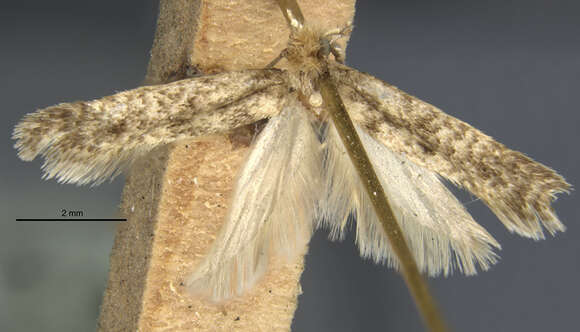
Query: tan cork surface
{"x":176,"y":198}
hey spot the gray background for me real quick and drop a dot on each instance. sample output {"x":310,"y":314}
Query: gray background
{"x":510,"y":68}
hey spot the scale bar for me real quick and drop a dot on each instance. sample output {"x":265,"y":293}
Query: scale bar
{"x":67,"y":219}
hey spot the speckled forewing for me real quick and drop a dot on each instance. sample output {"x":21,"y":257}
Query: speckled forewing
{"x":517,"y":189}
{"x":84,"y":142}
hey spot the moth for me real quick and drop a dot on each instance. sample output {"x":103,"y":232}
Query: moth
{"x":298,"y":176}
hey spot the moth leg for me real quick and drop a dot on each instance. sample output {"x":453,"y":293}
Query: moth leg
{"x":333,"y":36}
{"x":339,"y":33}
{"x":338,"y":52}
{"x":280,"y":56}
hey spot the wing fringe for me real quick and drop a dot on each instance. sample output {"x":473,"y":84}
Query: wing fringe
{"x":272,"y":211}
{"x":439,"y":231}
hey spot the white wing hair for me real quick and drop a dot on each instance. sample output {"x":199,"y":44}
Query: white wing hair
{"x":89,"y":142}
{"x":273,"y":207}
{"x":515,"y":187}
{"x":439,"y":231}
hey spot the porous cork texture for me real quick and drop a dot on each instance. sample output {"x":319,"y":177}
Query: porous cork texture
{"x":176,"y":198}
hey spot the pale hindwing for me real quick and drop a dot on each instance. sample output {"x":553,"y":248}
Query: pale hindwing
{"x":440,"y":232}
{"x":89,"y":142}
{"x":515,"y":187}
{"x":272,"y":210}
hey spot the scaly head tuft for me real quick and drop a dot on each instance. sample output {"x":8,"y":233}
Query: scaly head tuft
{"x":307,"y":54}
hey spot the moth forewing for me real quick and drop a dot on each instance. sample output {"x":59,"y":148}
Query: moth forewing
{"x":89,"y":142}
{"x":515,"y":187}
{"x":272,"y":208}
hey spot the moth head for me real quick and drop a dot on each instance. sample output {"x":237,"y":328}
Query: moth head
{"x":308,"y":52}
{"x":310,"y":47}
